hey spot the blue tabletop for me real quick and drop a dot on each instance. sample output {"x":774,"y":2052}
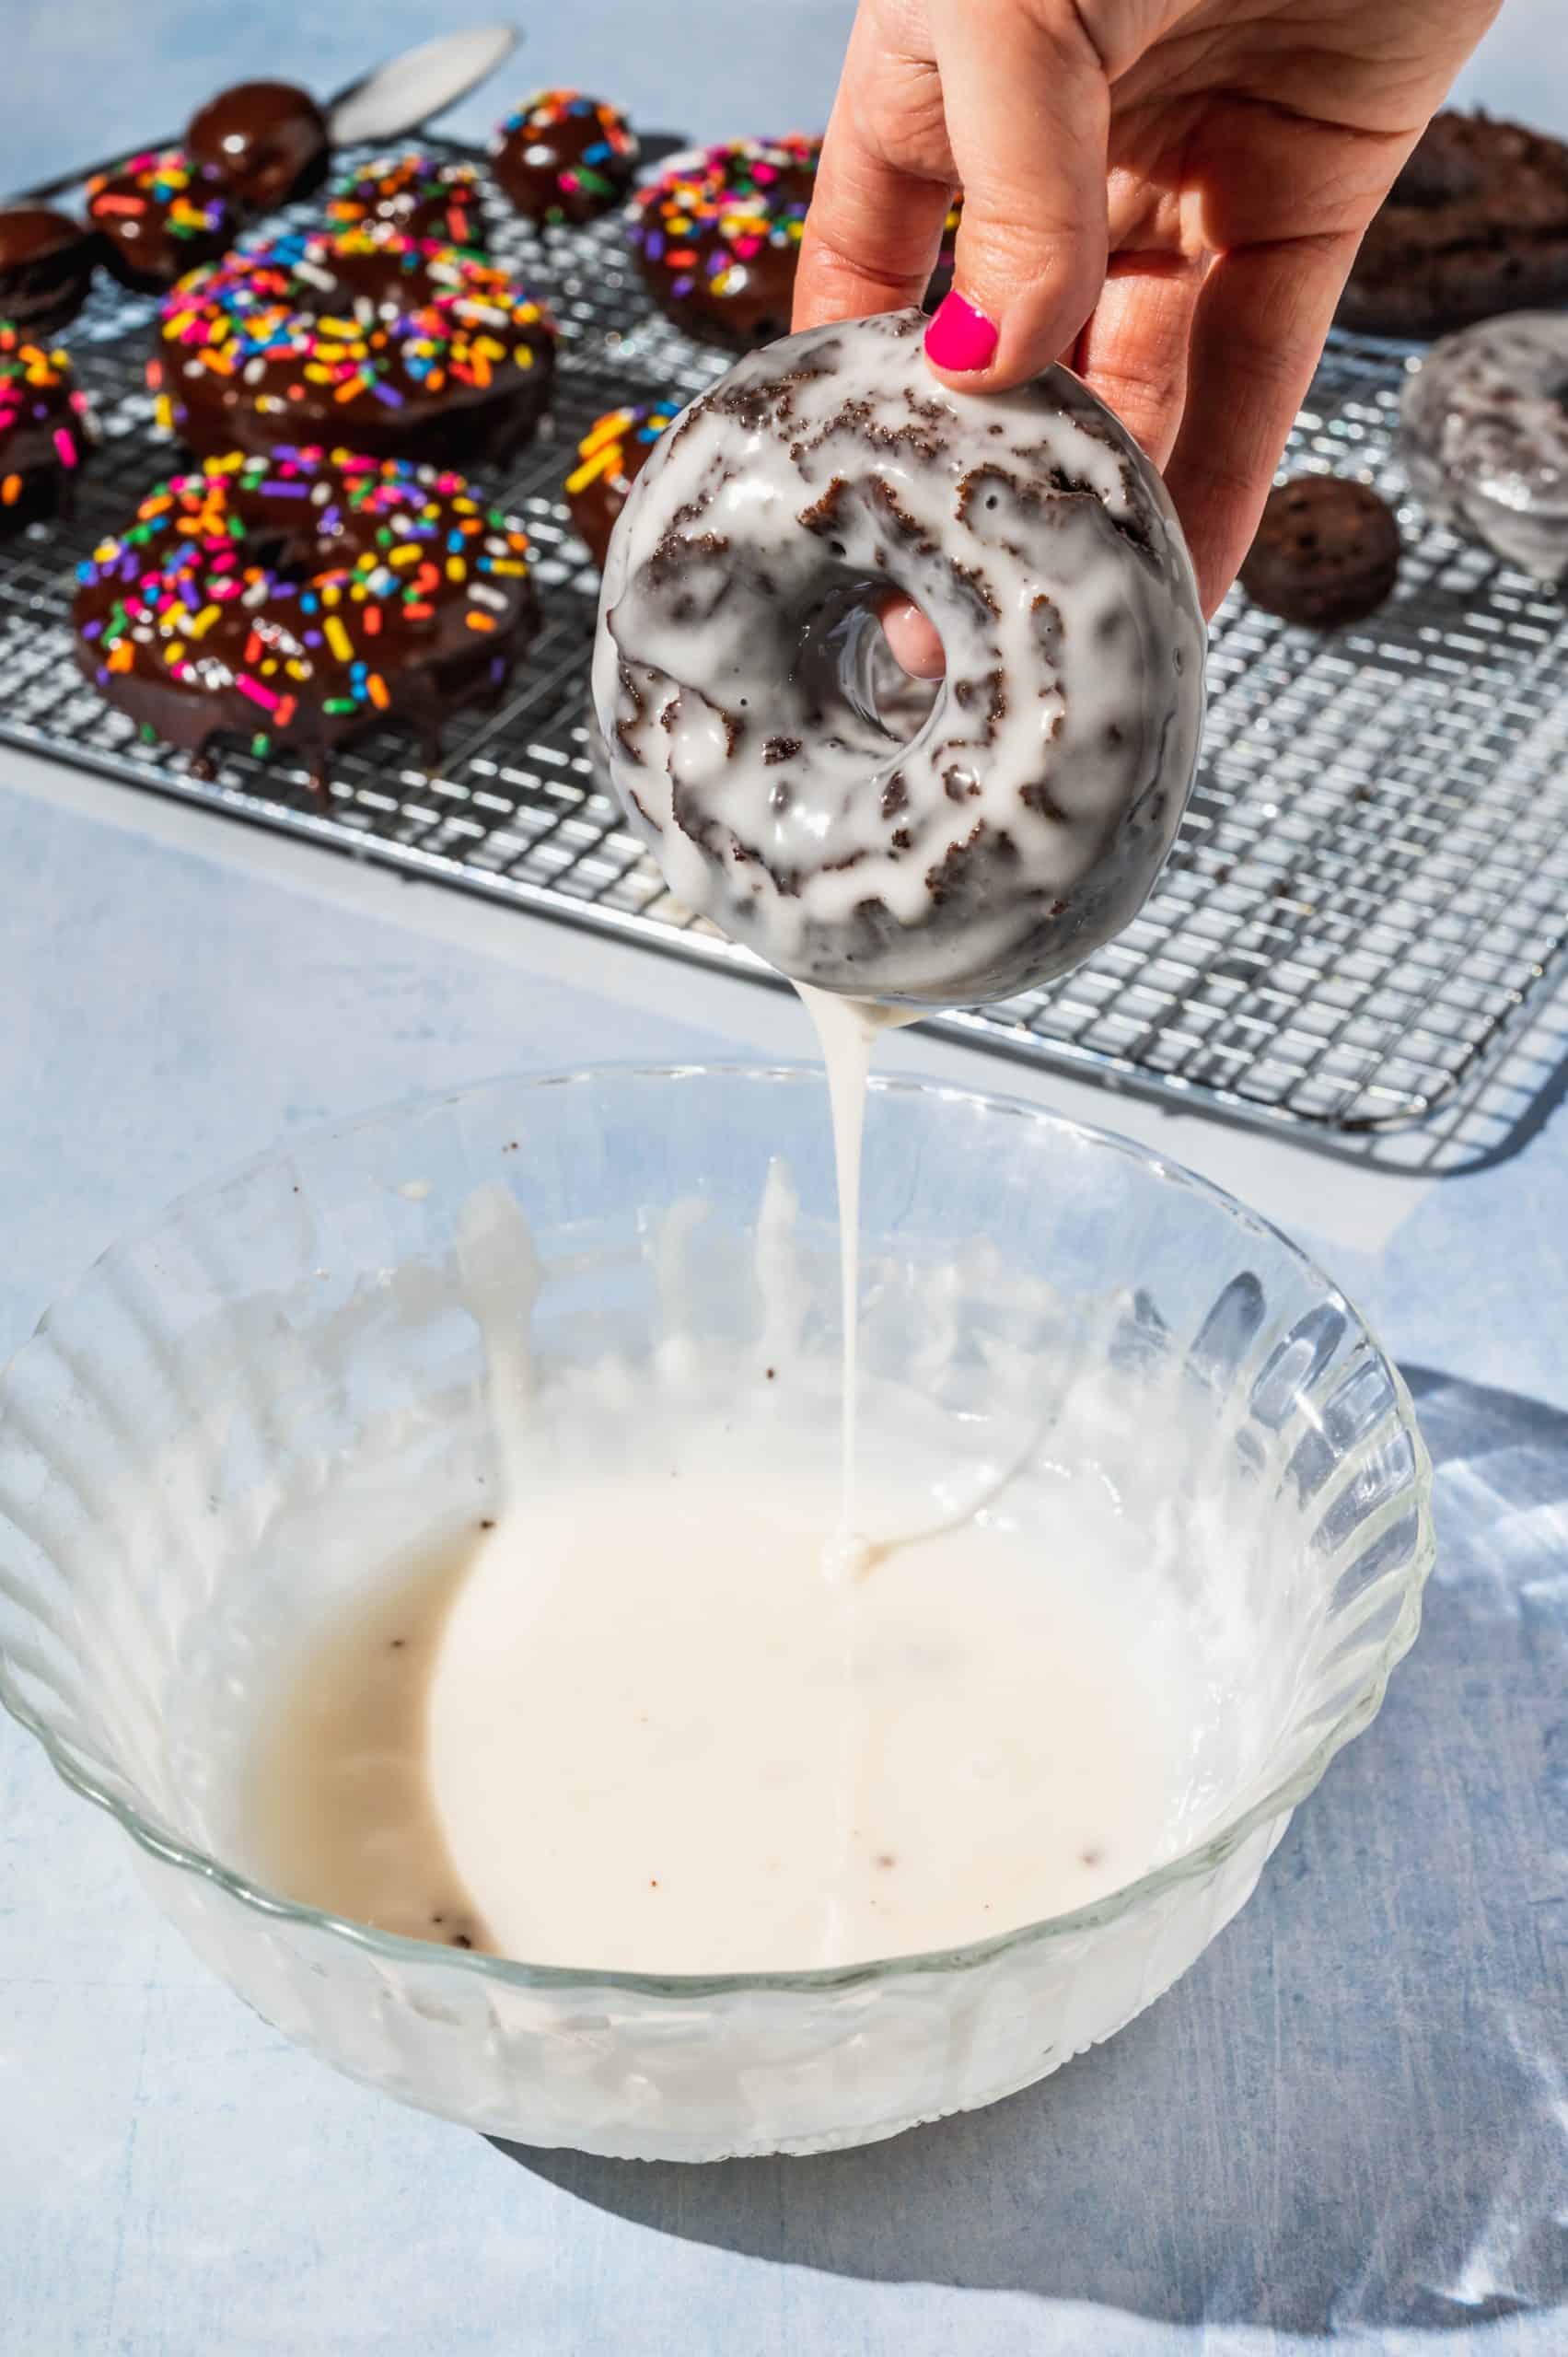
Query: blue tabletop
{"x":1348,"y":2122}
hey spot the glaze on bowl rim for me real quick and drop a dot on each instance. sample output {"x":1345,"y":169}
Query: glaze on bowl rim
{"x":1188,"y":1865}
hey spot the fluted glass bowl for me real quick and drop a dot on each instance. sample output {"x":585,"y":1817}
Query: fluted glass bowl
{"x":277,"y":1333}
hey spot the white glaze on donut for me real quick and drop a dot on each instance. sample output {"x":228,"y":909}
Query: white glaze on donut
{"x":1024,"y":822}
{"x":1485,"y":431}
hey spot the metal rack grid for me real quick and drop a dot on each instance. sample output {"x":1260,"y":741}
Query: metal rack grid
{"x":1356,"y":940}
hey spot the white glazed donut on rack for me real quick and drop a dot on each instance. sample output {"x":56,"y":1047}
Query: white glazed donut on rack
{"x":946,"y":859}
{"x":1484,"y":433}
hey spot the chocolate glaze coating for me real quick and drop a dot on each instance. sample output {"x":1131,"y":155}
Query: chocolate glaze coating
{"x":46,"y":429}
{"x":1484,"y":431}
{"x":1326,"y":552}
{"x":717,"y":237}
{"x":610,"y":456}
{"x":563,"y":156}
{"x":300,"y":598}
{"x":160,"y":215}
{"x":953,"y":858}
{"x":415,"y":193}
{"x":267,"y":140}
{"x":1476,"y":224}
{"x":395,"y":345}
{"x":46,"y":267}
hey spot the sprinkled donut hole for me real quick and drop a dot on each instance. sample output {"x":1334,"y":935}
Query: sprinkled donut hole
{"x":610,"y":456}
{"x":394,"y":345}
{"x":160,"y":215}
{"x":563,"y":157}
{"x":418,"y":194}
{"x":717,"y":237}
{"x":300,"y":597}
{"x":947,"y":860}
{"x":46,"y":428}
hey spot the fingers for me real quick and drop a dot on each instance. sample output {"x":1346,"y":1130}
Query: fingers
{"x":1028,"y":110}
{"x":1257,"y":332}
{"x":882,"y":190}
{"x":913,"y":640}
{"x":1134,"y":352}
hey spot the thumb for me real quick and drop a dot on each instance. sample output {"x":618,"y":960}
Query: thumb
{"x":1028,"y":110}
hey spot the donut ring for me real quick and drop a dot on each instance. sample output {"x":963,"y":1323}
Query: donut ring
{"x":300,"y":597}
{"x":416,"y":193}
{"x":392,"y":345}
{"x":717,"y":237}
{"x":1023,"y":821}
{"x":610,"y":456}
{"x":1484,"y":431}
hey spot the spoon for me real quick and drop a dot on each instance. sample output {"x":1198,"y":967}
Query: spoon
{"x":394,"y":96}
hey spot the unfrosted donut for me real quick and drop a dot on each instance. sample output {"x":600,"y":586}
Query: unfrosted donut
{"x":1023,"y":822}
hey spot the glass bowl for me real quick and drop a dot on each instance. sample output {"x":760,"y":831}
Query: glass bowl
{"x":168,"y":1433}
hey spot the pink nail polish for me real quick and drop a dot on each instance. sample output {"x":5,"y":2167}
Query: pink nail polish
{"x":959,"y":337}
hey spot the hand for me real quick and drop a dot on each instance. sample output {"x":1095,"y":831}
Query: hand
{"x":1168,"y":193}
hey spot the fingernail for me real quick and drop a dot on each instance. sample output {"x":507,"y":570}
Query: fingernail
{"x":959,"y":337}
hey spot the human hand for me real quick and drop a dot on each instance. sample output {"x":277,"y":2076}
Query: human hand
{"x":1166,"y":193}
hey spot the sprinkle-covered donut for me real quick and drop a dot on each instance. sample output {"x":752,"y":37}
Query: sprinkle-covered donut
{"x":1023,"y":822}
{"x":389,"y":344}
{"x":298,"y":598}
{"x":610,"y":456}
{"x":46,"y":267}
{"x":46,"y":429}
{"x":563,"y":156}
{"x":417,"y":193}
{"x":1484,"y":431}
{"x":160,"y":215}
{"x":718,"y":236}
{"x":267,"y":140}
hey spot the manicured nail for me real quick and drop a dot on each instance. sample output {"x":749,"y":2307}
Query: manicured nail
{"x":959,"y":337}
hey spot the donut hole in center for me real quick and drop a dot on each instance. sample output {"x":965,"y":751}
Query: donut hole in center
{"x":853,"y":686}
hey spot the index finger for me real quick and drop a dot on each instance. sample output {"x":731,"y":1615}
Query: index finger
{"x":874,"y":226}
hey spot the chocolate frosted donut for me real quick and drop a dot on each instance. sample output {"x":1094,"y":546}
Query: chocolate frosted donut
{"x":46,"y":267}
{"x":268,"y":141}
{"x":1024,"y":821}
{"x":160,"y":215}
{"x":564,"y":157}
{"x":394,"y":345}
{"x":300,"y":597}
{"x":610,"y":456}
{"x":416,"y":193}
{"x":718,"y":235}
{"x":1477,"y":223}
{"x":1484,"y":433}
{"x":46,"y":429}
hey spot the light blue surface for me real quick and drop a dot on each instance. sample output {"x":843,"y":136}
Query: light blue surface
{"x":1346,"y":2122}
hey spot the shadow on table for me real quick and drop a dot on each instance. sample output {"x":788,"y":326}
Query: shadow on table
{"x":1351,"y":2112}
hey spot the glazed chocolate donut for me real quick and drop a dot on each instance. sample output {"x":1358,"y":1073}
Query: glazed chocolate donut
{"x":395,"y":345}
{"x":1023,"y":822}
{"x":160,"y":215}
{"x":416,"y":193}
{"x":564,"y":157}
{"x":717,"y":237}
{"x":610,"y":456}
{"x":46,"y":429}
{"x":1476,"y":224}
{"x":46,"y":267}
{"x":297,"y":599}
{"x":267,"y":140}
{"x":1484,"y":435}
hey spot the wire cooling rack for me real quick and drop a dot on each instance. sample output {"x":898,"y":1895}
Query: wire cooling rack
{"x":1356,"y":940}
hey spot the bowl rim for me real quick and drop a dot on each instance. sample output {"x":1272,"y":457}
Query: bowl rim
{"x":1188,"y":1865}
